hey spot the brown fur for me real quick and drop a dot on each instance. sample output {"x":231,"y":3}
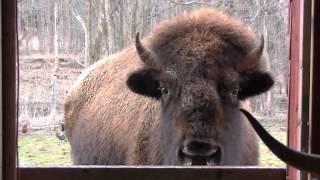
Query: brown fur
{"x":106,"y":123}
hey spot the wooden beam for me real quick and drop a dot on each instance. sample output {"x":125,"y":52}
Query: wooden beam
{"x":315,"y":80}
{"x":151,"y":172}
{"x":315,"y":116}
{"x":294,"y":80}
{"x":9,"y":47}
{"x":305,"y":99}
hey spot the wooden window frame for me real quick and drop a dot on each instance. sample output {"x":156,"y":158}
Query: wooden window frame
{"x":11,"y":171}
{"x":315,"y":80}
{"x":303,"y":120}
{"x":293,"y":130}
{"x":8,"y":60}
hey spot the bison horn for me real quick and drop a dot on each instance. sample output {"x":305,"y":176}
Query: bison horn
{"x":300,"y":160}
{"x":147,"y":56}
{"x":252,"y":59}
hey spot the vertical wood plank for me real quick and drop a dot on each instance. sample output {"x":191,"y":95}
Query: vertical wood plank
{"x":306,"y":64}
{"x":315,"y":117}
{"x":294,"y":80}
{"x":9,"y":46}
{"x":1,"y":145}
{"x":315,"y":81}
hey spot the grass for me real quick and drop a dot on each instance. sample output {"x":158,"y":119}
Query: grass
{"x":47,"y":150}
{"x":43,"y":150}
{"x":266,"y":156}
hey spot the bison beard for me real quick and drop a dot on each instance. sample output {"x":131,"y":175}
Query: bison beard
{"x":172,"y":98}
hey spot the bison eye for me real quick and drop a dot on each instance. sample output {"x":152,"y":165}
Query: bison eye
{"x":235,"y":92}
{"x":164,"y":90}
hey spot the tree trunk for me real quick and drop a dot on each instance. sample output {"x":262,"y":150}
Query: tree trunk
{"x":55,"y":71}
{"x":90,"y":38}
{"x":84,"y":27}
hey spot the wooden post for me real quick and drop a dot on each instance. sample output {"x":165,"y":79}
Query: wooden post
{"x":294,"y":81}
{"x":315,"y":80}
{"x":305,"y":91}
{"x":9,"y":55}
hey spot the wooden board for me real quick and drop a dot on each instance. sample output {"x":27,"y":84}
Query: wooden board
{"x":315,"y":117}
{"x":294,"y":80}
{"x":9,"y":54}
{"x":151,"y":173}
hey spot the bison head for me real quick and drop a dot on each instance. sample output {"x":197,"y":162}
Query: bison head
{"x":200,"y":79}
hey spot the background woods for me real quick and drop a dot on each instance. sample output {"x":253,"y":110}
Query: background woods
{"x":58,"y":39}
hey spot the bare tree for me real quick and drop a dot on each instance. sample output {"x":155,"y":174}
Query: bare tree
{"x":85,"y":31}
{"x":86,"y":35}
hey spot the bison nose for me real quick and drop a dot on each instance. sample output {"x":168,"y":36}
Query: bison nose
{"x":200,"y":152}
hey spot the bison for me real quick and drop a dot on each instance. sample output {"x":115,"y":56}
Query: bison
{"x":173,"y":98}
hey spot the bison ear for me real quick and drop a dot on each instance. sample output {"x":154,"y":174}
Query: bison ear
{"x":254,"y":83}
{"x":145,"y":82}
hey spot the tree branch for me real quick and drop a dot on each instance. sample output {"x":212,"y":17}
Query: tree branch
{"x":160,"y":11}
{"x":83,"y":24}
{"x":257,"y":13}
{"x":174,"y":3}
{"x":192,"y":2}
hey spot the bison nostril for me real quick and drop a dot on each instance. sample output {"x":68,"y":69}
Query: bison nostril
{"x":200,"y":153}
{"x":197,"y":148}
